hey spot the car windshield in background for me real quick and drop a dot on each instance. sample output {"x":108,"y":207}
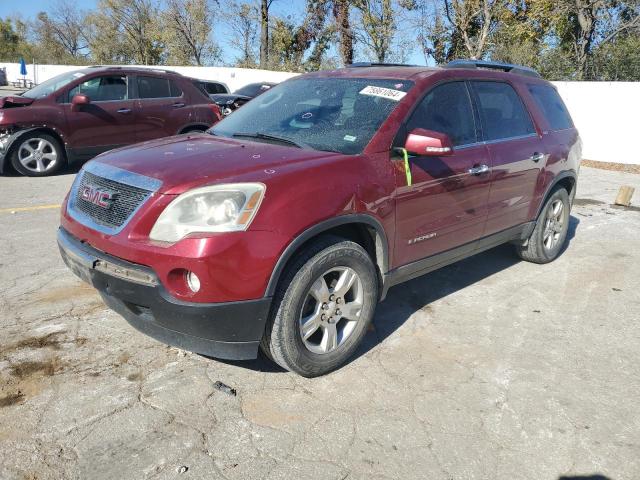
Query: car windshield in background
{"x":330,"y":114}
{"x":51,"y":85}
{"x":253,"y":89}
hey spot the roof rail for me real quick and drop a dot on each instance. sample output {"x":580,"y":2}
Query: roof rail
{"x":373,"y":64}
{"x":505,"y":67}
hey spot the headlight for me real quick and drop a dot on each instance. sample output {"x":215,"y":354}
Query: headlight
{"x":218,"y":208}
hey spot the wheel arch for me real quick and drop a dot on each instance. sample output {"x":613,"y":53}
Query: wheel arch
{"x":363,"y":229}
{"x":194,"y":127}
{"x":16,"y":136}
{"x":567,"y":179}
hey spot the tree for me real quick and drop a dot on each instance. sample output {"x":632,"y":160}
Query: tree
{"x":265,"y":5}
{"x":473,"y":21}
{"x":342,"y":21}
{"x":9,"y":41}
{"x":187,"y":32}
{"x":61,"y":33}
{"x":243,"y":22}
{"x":126,"y":31}
{"x":378,"y":25}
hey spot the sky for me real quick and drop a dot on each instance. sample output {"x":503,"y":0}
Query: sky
{"x":29,"y":8}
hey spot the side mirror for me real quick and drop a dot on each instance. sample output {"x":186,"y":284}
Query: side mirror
{"x":79,"y":100}
{"x":428,"y":143}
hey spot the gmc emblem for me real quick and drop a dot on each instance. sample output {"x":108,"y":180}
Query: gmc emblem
{"x":97,"y":196}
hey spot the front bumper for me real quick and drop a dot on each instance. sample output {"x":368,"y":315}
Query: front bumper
{"x":230,"y":330}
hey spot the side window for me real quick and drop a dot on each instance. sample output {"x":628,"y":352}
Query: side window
{"x":102,"y":89}
{"x":502,"y":112}
{"x":554,"y":109}
{"x":447,"y":109}
{"x":153,"y":87}
{"x":174,"y":89}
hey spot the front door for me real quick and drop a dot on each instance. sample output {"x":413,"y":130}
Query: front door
{"x":106,"y":122}
{"x":446,"y":205}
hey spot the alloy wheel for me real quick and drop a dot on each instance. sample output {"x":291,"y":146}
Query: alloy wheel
{"x":331,"y":310}
{"x":554,"y":225}
{"x":37,"y":155}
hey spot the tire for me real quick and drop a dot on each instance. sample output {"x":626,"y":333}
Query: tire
{"x":550,"y":233}
{"x":301,"y":295}
{"x":37,"y":154}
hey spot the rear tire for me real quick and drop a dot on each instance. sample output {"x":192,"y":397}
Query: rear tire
{"x":550,"y":233}
{"x":37,"y":154}
{"x":322,"y":308}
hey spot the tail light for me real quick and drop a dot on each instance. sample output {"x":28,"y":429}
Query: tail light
{"x":216,"y":111}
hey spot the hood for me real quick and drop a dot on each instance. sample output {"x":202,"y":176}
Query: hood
{"x":14,"y":101}
{"x":182,"y":163}
{"x":223,"y":98}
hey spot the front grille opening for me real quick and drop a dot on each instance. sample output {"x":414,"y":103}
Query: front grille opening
{"x":126,"y":199}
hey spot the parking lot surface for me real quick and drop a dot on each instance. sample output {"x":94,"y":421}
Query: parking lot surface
{"x":491,"y":368}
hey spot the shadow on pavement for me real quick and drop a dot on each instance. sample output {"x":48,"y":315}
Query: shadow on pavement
{"x":406,"y":299}
{"x":596,"y":476}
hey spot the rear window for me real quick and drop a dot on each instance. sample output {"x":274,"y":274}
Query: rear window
{"x":155,"y":87}
{"x":552,"y":106}
{"x":502,"y":112}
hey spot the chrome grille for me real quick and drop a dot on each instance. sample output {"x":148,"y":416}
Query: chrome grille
{"x":127,"y":199}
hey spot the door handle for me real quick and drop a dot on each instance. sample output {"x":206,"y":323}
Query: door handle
{"x":537,"y":156}
{"x":124,"y":111}
{"x":479,"y":170}
{"x":178,"y":105}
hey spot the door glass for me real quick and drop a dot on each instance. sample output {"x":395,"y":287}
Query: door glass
{"x":102,"y":89}
{"x":153,"y":87}
{"x":447,"y":109}
{"x":502,"y":112}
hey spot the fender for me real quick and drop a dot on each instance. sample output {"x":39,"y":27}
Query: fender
{"x":9,"y":140}
{"x":382,"y":246}
{"x":556,"y":180}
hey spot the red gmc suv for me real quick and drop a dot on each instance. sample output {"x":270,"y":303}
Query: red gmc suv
{"x":284,"y":225}
{"x":79,"y":114}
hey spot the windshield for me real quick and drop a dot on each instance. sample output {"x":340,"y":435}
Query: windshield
{"x":51,"y":85}
{"x":330,"y":114}
{"x":253,"y":89}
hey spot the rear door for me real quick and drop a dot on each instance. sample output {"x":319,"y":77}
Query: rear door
{"x":107,"y":122}
{"x":161,"y":108}
{"x":446,"y":205}
{"x":516,"y":150}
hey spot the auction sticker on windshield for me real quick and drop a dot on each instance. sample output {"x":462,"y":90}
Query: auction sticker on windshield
{"x":390,"y":93}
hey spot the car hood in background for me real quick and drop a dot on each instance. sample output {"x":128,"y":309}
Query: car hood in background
{"x":227,"y":98}
{"x":182,"y":163}
{"x":15,"y":101}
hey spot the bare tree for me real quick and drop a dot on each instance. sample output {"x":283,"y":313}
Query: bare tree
{"x":187,"y":31}
{"x":62,"y":30}
{"x":474,"y":21}
{"x":242,"y":19}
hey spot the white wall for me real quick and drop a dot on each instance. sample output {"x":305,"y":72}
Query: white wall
{"x":604,"y":112}
{"x":234,"y":78}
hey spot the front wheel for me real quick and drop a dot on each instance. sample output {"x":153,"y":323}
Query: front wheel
{"x":37,"y":155}
{"x":322,"y":308}
{"x":550,"y":233}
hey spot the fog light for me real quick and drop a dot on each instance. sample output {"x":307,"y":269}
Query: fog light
{"x":193,"y":282}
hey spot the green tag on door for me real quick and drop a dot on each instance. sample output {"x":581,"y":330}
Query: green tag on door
{"x":407,"y":165}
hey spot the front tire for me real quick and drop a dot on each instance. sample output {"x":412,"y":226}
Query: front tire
{"x":37,"y":154}
{"x":550,"y":233}
{"x":322,"y":308}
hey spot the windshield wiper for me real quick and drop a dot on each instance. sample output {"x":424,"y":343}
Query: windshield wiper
{"x":266,"y":136}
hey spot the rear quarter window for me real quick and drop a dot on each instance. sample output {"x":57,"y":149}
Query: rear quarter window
{"x":552,"y":106}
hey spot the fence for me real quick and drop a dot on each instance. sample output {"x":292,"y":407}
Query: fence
{"x":604,"y":112}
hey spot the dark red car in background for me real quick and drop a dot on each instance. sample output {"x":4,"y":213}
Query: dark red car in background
{"x":284,"y":224}
{"x":77,"y":115}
